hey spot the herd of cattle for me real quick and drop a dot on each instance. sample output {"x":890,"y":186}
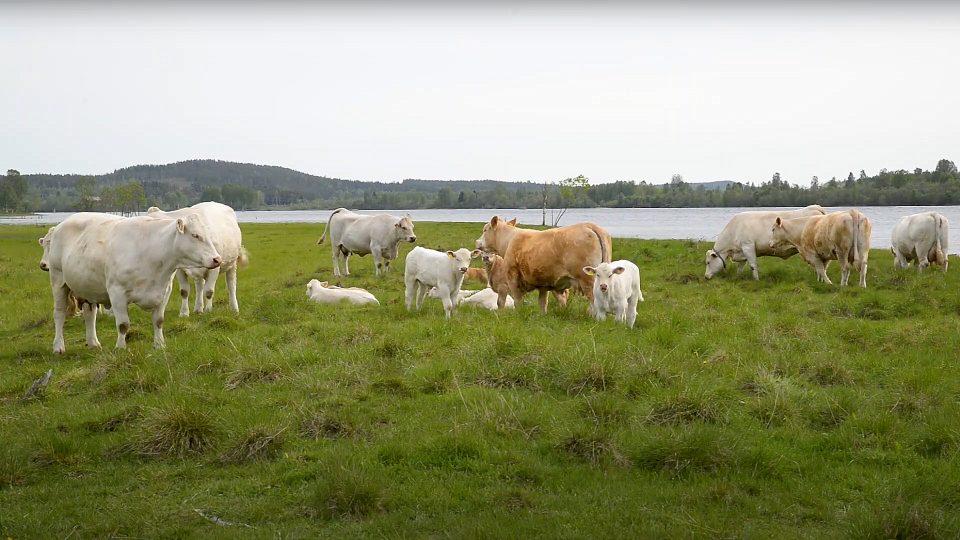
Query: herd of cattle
{"x":97,"y":259}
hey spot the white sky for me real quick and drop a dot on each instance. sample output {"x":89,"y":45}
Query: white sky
{"x":539,"y":92}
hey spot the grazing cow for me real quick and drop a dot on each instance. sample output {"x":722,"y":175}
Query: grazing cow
{"x":356,"y":234}
{"x":427,"y":268}
{"x":221,"y":221}
{"x":320,"y":292}
{"x":487,"y":299}
{"x":550,"y":260}
{"x":477,"y":274}
{"x":923,"y":238}
{"x":104,"y":259}
{"x":747,"y":236}
{"x":843,"y":236}
{"x":616,"y":289}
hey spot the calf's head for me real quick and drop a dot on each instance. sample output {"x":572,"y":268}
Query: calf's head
{"x":778,"y":235}
{"x":404,"y":229}
{"x":314,"y":285}
{"x":195,"y":243}
{"x":460,"y":259}
{"x":45,"y":244}
{"x":602,"y":275}
{"x":492,"y":231}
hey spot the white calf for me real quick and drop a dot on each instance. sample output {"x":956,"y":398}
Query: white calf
{"x":319,"y":292}
{"x":427,"y":268}
{"x":616,"y":289}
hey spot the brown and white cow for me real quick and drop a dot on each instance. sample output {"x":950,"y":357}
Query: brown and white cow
{"x":550,"y":260}
{"x":843,"y":236}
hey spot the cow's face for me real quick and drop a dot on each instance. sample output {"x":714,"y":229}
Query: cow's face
{"x":460,"y":259}
{"x":404,"y":229}
{"x":603,"y":275}
{"x":198,"y":247}
{"x":45,"y":244}
{"x":715,"y":264}
{"x":488,"y":238}
{"x":312,"y":285}
{"x":778,"y":235}
{"x":490,"y":259}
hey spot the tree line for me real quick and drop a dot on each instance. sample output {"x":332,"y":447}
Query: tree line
{"x":248,"y":187}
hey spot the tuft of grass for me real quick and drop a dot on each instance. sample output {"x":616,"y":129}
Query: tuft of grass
{"x":830,"y":374}
{"x":175,"y":431}
{"x":604,"y":410}
{"x":325,"y":425}
{"x":685,"y":408}
{"x":14,"y":470}
{"x":394,"y":386}
{"x":258,"y":444}
{"x":593,"y":447}
{"x":346,"y":492}
{"x":682,"y":452}
{"x":114,"y":422}
{"x":252,"y":374}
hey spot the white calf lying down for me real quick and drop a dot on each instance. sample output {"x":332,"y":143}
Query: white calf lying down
{"x":616,"y":289}
{"x":461,"y":295}
{"x":487,"y":299}
{"x":427,"y":268}
{"x":319,"y":292}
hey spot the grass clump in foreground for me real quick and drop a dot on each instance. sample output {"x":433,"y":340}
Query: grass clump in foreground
{"x":735,"y":408}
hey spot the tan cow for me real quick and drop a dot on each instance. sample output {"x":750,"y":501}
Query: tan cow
{"x":550,"y":260}
{"x":477,"y":274}
{"x":843,"y":236}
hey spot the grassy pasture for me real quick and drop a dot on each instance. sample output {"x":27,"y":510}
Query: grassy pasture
{"x":779,"y":408}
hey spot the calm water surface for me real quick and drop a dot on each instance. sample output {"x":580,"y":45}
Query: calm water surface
{"x":667,"y":223}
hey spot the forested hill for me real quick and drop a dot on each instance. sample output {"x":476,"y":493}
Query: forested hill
{"x":247,"y":186}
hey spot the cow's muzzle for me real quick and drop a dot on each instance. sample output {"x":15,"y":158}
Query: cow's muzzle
{"x":215,"y":263}
{"x":44,"y":267}
{"x":603,"y":287}
{"x":412,"y":239}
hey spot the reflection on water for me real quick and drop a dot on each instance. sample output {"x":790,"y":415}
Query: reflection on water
{"x":693,"y":223}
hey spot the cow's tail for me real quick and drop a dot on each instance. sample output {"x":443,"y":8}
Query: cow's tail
{"x":327,"y":228}
{"x":856,"y":235}
{"x":244,"y":258}
{"x":606,"y":244}
{"x":939,"y":256}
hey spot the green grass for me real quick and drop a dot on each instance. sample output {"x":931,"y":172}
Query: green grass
{"x":778,"y":408}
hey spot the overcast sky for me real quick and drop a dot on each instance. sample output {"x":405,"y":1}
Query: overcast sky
{"x":510,"y":91}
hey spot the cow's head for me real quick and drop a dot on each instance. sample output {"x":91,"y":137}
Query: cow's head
{"x":461,"y":258}
{"x":45,"y":244}
{"x":602,"y":275}
{"x":778,"y":235}
{"x":196,"y":245}
{"x":315,"y":285}
{"x":496,"y":227}
{"x":404,"y":229}
{"x":715,"y":262}
{"x":153,"y":210}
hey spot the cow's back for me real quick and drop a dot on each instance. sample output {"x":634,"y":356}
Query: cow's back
{"x":554,"y":257}
{"x":756,"y":227}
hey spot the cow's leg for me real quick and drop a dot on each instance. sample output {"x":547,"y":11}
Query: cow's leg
{"x":544,"y":298}
{"x":121,"y":317}
{"x":863,"y":271}
{"x":922,"y":263}
{"x":199,"y":282}
{"x":502,"y":299}
{"x":89,"y":311}
{"x":184,"y":283}
{"x":844,"y":268}
{"x":61,"y":298}
{"x":421,"y":294}
{"x":632,"y":309}
{"x":377,"y":261}
{"x":750,"y":252}
{"x":821,"y":267}
{"x":336,"y":261}
{"x":158,"y":341}
{"x":232,"y":289}
{"x":517,"y":296}
{"x":409,"y":292}
{"x":209,"y":286}
{"x":561,"y":297}
{"x":448,"y":298}
{"x":386,"y":265}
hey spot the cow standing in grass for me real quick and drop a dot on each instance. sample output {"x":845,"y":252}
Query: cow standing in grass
{"x":356,"y":234}
{"x":616,"y":289}
{"x":747,"y":236}
{"x":550,"y":260}
{"x":104,"y":259}
{"x":843,"y":236}
{"x":426,"y":268}
{"x":923,"y":238}
{"x":225,"y":234}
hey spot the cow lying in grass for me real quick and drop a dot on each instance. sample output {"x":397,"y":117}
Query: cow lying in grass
{"x":320,"y":292}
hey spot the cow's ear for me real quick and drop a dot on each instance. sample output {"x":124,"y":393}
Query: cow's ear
{"x":475,"y":253}
{"x":589,"y":270}
{"x":41,"y":240}
{"x":398,"y":224}
{"x":713,"y":254}
{"x":779,"y":222}
{"x":494,"y":220}
{"x":451,"y":255}
{"x":618,"y":270}
{"x":181,"y":226}
{"x":323,"y":284}
{"x":512,"y":221}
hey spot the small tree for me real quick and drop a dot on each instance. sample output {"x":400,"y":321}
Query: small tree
{"x":570,"y":189}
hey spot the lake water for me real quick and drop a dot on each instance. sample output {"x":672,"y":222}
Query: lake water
{"x":661,"y":223}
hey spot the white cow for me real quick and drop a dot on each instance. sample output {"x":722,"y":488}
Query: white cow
{"x":747,"y":236}
{"x":221,"y":221}
{"x":320,"y":292}
{"x":616,"y":289}
{"x":427,"y":268}
{"x":104,"y":259}
{"x":462,"y":294}
{"x":356,"y":234}
{"x":923,"y":238}
{"x":487,"y":299}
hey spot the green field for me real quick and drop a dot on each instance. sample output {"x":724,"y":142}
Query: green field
{"x":780,"y":408}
